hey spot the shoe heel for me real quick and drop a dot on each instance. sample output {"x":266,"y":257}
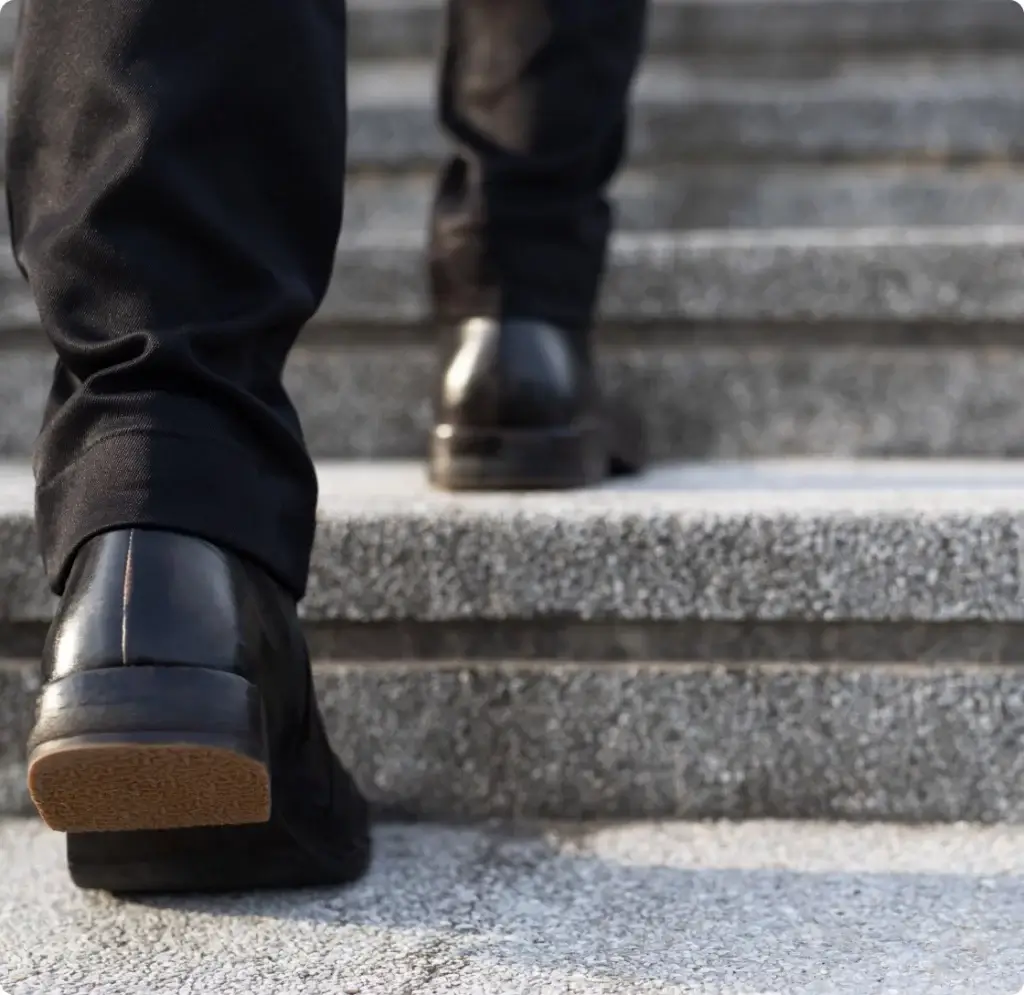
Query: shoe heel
{"x":149,"y":747}
{"x":484,"y":459}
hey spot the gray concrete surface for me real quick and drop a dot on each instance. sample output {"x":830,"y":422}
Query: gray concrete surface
{"x":868,"y":276}
{"x":453,"y":740}
{"x":671,"y":909}
{"x":962,"y":107}
{"x":863,"y":275}
{"x":958,"y":107}
{"x":789,"y":392}
{"x":786,"y":541}
{"x":695,"y":197}
{"x":706,"y":392}
{"x":745,"y":393}
{"x":412,"y":28}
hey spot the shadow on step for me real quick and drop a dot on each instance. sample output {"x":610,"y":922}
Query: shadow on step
{"x":729,"y":909}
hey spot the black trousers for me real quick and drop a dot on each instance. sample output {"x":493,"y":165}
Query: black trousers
{"x":175,"y":175}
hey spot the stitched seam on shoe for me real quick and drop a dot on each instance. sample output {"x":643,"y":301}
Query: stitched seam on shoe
{"x":126,"y":591}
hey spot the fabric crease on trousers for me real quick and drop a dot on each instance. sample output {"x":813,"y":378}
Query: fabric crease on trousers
{"x":175,"y":191}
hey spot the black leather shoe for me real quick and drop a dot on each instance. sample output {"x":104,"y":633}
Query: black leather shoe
{"x":519,"y":408}
{"x":178,"y":741}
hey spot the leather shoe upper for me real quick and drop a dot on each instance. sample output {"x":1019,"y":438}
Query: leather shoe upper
{"x":515,"y":374}
{"x":147,"y":597}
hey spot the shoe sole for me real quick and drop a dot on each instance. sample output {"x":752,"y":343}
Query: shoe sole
{"x":463,"y":459}
{"x":90,"y":784}
{"x":161,"y":778}
{"x":146,"y":748}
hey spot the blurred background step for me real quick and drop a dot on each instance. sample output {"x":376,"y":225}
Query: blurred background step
{"x":894,"y":342}
{"x":736,"y":196}
{"x":950,"y":275}
{"x":413,"y":28}
{"x":787,"y":639}
{"x":934,"y":108}
{"x":688,"y":198}
{"x":953,"y":108}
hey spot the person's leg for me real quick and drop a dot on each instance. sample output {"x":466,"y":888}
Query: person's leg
{"x":535,"y":94}
{"x":175,"y":181}
{"x":175,"y":174}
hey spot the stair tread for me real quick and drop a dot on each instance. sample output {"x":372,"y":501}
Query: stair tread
{"x":414,"y":27}
{"x":747,"y":487}
{"x":950,"y":108}
{"x":787,"y":908}
{"x":934,"y":541}
{"x":957,"y":274}
{"x":410,"y":82}
{"x":813,"y":486}
{"x":687,"y":197}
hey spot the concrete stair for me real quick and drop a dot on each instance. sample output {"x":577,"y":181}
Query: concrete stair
{"x":821,"y":229}
{"x":638,"y":909}
{"x":791,"y":640}
{"x":752,"y":344}
{"x":412,"y":28}
{"x":820,"y":254}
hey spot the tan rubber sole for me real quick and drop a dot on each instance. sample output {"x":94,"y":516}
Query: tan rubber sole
{"x":90,"y":788}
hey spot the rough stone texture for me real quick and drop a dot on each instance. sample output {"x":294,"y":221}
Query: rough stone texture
{"x":410,"y":28}
{"x":825,"y":542}
{"x":674,"y":909}
{"x":691,"y":197}
{"x":871,"y":275}
{"x":739,"y":197}
{"x":945,"y":274}
{"x":19,"y":682}
{"x":894,"y":742}
{"x":367,"y":394}
{"x":371,"y":401}
{"x":413,"y":28}
{"x":800,"y":541}
{"x":937,"y":743}
{"x":769,"y":399}
{"x":772,"y":109}
{"x":959,"y":108}
{"x":25,"y":375}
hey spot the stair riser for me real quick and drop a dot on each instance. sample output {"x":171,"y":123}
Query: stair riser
{"x":722,"y":197}
{"x":692,"y":128}
{"x":688,"y":545}
{"x":755,"y":26}
{"x":945,"y":276}
{"x":414,"y":30}
{"x":752,"y":123}
{"x":884,"y":742}
{"x":756,"y":399}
